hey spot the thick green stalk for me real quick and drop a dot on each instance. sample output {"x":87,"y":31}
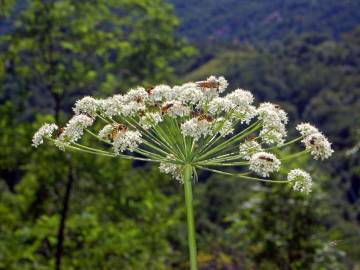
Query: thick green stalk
{"x":187,"y":177}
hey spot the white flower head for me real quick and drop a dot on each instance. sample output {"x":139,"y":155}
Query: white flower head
{"x":112,"y":106}
{"x":150,"y":120}
{"x":46,"y":130}
{"x":105,"y":132}
{"x":306,"y":129}
{"x":220,"y":104}
{"x":264,"y":163}
{"x":318,"y":145}
{"x":190,"y":94}
{"x":249,"y":148}
{"x":224,"y":127}
{"x":196,"y":128}
{"x":161,"y":93}
{"x":272,"y":114}
{"x":301,"y":180}
{"x":273,"y":135}
{"x":172,"y":169}
{"x":75,"y":128}
{"x":138,"y":95}
{"x":86,"y":105}
{"x":241,"y":98}
{"x":127,"y":140}
{"x":175,"y":108}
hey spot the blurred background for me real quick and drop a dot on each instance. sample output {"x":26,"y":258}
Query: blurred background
{"x":84,"y":212}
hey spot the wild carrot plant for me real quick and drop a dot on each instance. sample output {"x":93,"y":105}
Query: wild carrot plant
{"x":189,"y":128}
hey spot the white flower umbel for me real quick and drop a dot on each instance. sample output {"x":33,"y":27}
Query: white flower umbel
{"x":75,"y":128}
{"x":187,"y":128}
{"x":173,"y":170}
{"x":46,"y":130}
{"x":105,"y":132}
{"x":219,"y":105}
{"x":196,"y":128}
{"x":149,"y":120}
{"x":306,"y":129}
{"x":249,"y":148}
{"x":126,"y":140}
{"x":161,"y":93}
{"x":189,"y":94}
{"x":86,"y":105}
{"x":175,"y":108}
{"x":318,"y":145}
{"x":264,"y":163}
{"x":301,"y":180}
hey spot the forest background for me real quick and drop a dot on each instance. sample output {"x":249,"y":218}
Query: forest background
{"x":84,"y":212}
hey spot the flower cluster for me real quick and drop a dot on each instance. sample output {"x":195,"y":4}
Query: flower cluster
{"x":315,"y":142}
{"x":301,"y":180}
{"x":197,"y":123}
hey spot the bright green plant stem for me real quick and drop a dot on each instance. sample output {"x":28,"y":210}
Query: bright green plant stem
{"x":187,"y":177}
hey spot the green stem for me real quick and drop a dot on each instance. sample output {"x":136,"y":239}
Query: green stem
{"x":187,"y":177}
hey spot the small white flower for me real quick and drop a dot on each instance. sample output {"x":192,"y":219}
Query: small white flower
{"x":138,"y":95}
{"x":161,"y":93}
{"x":273,"y":135}
{"x":127,"y":140}
{"x":149,"y":120}
{"x":112,"y":106}
{"x":318,"y":145}
{"x":86,"y":105}
{"x":172,"y":169}
{"x":75,"y":128}
{"x":249,"y":148}
{"x":46,"y":130}
{"x":306,"y":129}
{"x":264,"y":163}
{"x":190,"y":94}
{"x":225,"y":126}
{"x":241,"y":98}
{"x":196,"y":128}
{"x":175,"y":108}
{"x":301,"y":180}
{"x":105,"y":132}
{"x":220,"y":104}
{"x":271,"y":114}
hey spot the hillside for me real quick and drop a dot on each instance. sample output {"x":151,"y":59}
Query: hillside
{"x":262,"y":20}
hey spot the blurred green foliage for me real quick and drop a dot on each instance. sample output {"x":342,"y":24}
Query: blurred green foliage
{"x":125,"y":215}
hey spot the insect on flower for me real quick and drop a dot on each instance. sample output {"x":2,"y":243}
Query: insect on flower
{"x":164,"y":109}
{"x":266,"y":158}
{"x":60,"y":131}
{"x":251,"y":138}
{"x":206,"y":117}
{"x":208,"y":84}
{"x":117,"y":129}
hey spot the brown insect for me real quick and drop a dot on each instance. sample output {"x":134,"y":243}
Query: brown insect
{"x":312,"y":141}
{"x":208,"y":84}
{"x":60,"y":131}
{"x":138,"y":99}
{"x":117,"y":128}
{"x":277,"y":106}
{"x":251,"y":138}
{"x":266,"y":158}
{"x":149,"y":89}
{"x":196,"y":113}
{"x":166,"y":107}
{"x":206,"y":117}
